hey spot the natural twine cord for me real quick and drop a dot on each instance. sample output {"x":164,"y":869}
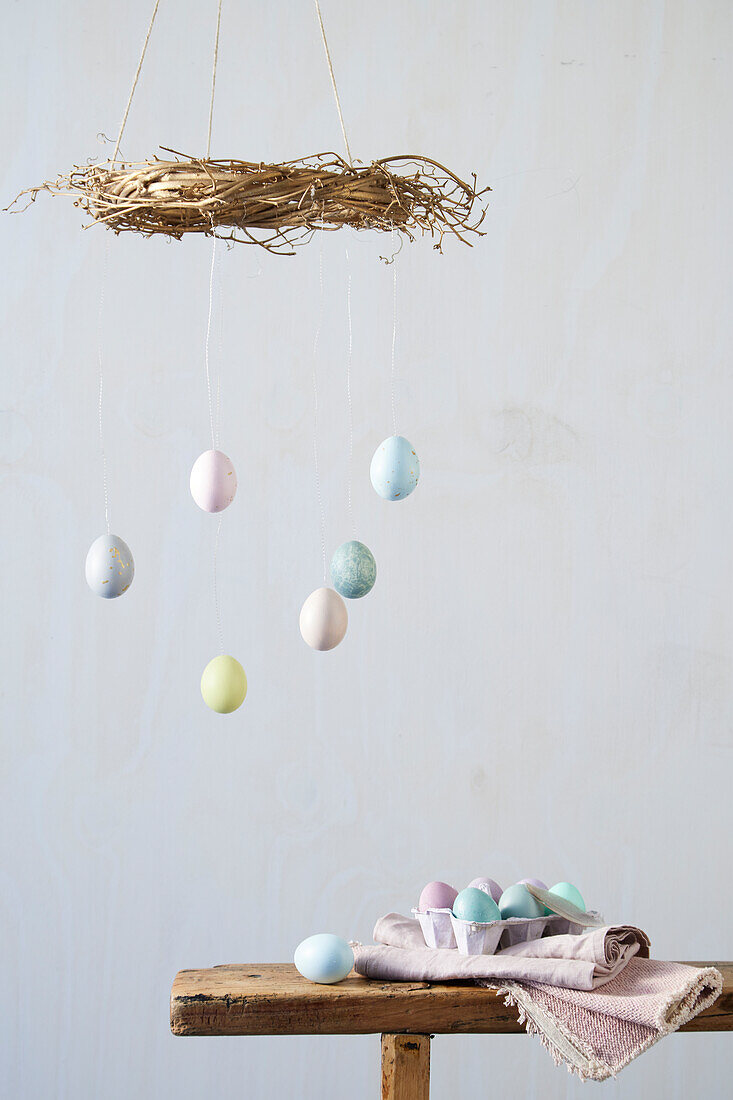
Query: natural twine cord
{"x":213,"y":80}
{"x":333,"y":81}
{"x":156,"y":5}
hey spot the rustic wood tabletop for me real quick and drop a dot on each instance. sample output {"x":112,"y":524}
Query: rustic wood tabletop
{"x":273,"y":999}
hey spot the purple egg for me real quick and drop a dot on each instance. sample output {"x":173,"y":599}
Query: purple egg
{"x":533,"y":882}
{"x":437,"y":895}
{"x":488,"y":886}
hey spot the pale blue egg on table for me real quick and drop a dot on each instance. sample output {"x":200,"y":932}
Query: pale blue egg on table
{"x":516,"y":901}
{"x":475,"y":905}
{"x":323,"y":958}
{"x":353,"y":570}
{"x":395,"y":468}
{"x":570,"y":893}
{"x":109,"y":567}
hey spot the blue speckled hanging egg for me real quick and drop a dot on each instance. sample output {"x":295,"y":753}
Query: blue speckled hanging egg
{"x":353,"y":570}
{"x":109,"y":567}
{"x":323,"y":958}
{"x":395,"y":468}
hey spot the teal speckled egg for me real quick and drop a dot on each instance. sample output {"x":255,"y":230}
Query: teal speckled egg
{"x":475,"y":905}
{"x":353,"y":570}
{"x":395,"y":468}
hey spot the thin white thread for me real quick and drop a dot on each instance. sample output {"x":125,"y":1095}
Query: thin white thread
{"x":102,"y":284}
{"x":206,"y":353}
{"x":319,"y":494}
{"x":217,"y":414}
{"x":348,"y":398}
{"x":135,"y":80}
{"x":217,"y":608}
{"x":394,"y":341}
{"x":213,"y":80}
{"x":333,"y":81}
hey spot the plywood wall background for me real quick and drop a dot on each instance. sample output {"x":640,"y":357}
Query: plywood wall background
{"x":540,"y":683}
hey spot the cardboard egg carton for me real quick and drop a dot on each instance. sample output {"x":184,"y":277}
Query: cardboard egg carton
{"x":437,"y":927}
{"x":441,"y":929}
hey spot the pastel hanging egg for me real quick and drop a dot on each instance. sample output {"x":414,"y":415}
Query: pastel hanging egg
{"x":323,"y":958}
{"x":489,"y":886}
{"x":223,"y":684}
{"x":475,"y":905}
{"x":353,"y":570}
{"x":395,"y":468}
{"x":516,"y":901}
{"x":109,"y":567}
{"x":213,"y":481}
{"x":323,"y":619}
{"x":437,"y":895}
{"x":570,"y":893}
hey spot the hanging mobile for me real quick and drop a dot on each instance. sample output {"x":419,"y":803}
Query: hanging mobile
{"x":395,"y":467}
{"x":109,"y":566}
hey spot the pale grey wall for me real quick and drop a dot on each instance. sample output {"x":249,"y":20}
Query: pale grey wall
{"x":541,"y":680}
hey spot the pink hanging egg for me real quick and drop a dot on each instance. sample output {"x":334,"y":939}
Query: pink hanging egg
{"x":213,"y":481}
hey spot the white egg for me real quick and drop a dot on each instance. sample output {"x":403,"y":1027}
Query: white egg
{"x":323,"y":619}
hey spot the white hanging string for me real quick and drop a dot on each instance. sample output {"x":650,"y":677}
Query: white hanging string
{"x":217,"y":413}
{"x":213,"y":79}
{"x":217,"y":608}
{"x":206,"y":353}
{"x":102,"y":285}
{"x":348,"y":397}
{"x":333,"y":81}
{"x":135,"y":79}
{"x":319,"y":494}
{"x":394,"y":340}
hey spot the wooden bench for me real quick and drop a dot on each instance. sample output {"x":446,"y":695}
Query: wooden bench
{"x":273,"y":999}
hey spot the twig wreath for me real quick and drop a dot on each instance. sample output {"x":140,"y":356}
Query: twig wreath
{"x":276,"y":206}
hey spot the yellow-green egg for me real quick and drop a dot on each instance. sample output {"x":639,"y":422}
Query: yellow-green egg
{"x":223,"y":684}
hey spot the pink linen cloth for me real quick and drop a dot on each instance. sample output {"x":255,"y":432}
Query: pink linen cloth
{"x":596,"y":1000}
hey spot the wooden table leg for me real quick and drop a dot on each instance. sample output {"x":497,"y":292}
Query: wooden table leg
{"x":405,"y":1067}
